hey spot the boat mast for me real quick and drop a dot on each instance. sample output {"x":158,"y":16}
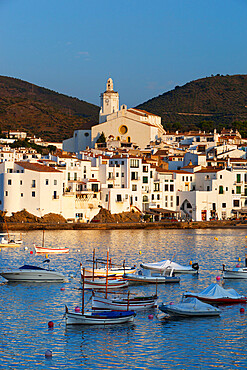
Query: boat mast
{"x":7,"y":229}
{"x":106,"y":281}
{"x":43,"y":239}
{"x":83,"y":282}
{"x":93,"y":262}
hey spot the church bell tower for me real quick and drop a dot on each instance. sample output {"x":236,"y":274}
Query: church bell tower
{"x":109,"y":101}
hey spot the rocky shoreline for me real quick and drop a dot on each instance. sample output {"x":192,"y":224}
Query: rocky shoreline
{"x":25,"y":226}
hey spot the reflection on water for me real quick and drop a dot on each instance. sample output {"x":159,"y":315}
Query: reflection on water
{"x":201,"y":343}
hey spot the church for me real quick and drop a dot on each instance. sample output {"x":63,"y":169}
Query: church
{"x":119,"y":125}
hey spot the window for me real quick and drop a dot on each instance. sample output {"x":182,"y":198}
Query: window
{"x":119,"y":198}
{"x":145,"y":179}
{"x":152,"y":196}
{"x":145,"y":168}
{"x":187,"y":178}
{"x":22,"y":195}
{"x":190,"y":178}
{"x":223,"y":205}
{"x":134,"y":187}
{"x":68,"y":176}
{"x":221,"y":189}
{"x":20,"y":182}
{"x":92,"y":175}
{"x":235,"y":203}
{"x":106,"y":197}
{"x":238,"y":189}
{"x":166,"y":187}
{"x":6,"y":193}
{"x":171,"y":187}
{"x":9,"y":182}
{"x":110,"y":186}
{"x":171,"y":201}
{"x":9,"y":170}
{"x":33,"y":194}
{"x":122,"y":174}
{"x":136,"y":199}
{"x":47,"y":182}
{"x":182,"y":178}
{"x":145,"y":198}
{"x":95,"y":187}
{"x":158,"y":197}
{"x":33,"y":184}
{"x":220,"y":176}
{"x":151,"y":174}
{"x":134,"y":163}
{"x":226,"y":188}
{"x":156,"y":187}
{"x":117,"y":174}
{"x":85,"y":169}
{"x":177,"y":201}
{"x":110,"y":175}
{"x":166,"y":201}
{"x":238,"y":177}
{"x":55,"y":182}
{"x":75,"y":176}
{"x":134,"y":175}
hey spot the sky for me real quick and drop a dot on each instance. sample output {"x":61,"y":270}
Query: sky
{"x":146,"y":46}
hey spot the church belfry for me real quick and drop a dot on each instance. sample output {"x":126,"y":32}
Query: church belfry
{"x":109,"y":101}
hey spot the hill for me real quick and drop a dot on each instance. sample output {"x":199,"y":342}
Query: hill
{"x":42,"y":112}
{"x":207,"y":103}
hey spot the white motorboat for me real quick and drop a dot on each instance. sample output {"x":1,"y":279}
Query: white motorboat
{"x":144,"y":276}
{"x":169,"y":265}
{"x":190,"y":307}
{"x":123,"y":304}
{"x":214,"y":293}
{"x":238,"y":272}
{"x":29,"y":273}
{"x":10,"y":241}
{"x":98,"y":318}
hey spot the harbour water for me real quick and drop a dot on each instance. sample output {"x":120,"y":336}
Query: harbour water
{"x":201,"y":343}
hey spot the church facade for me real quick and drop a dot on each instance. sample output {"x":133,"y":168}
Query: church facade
{"x":118,"y":124}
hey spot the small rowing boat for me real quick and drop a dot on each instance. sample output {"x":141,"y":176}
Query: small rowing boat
{"x":50,"y":249}
{"x":189,"y":307}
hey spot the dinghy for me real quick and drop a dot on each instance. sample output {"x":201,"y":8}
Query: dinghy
{"x":10,"y":239}
{"x":189,"y":307}
{"x":169,"y":265}
{"x":214,"y":293}
{"x":43,"y":249}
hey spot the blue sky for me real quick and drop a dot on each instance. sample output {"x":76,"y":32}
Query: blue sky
{"x":147,"y":47}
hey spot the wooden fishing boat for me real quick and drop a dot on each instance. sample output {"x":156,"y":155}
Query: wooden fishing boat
{"x":103,"y":284}
{"x":45,"y":250}
{"x":97,"y":318}
{"x":113,"y":268}
{"x":123,"y":304}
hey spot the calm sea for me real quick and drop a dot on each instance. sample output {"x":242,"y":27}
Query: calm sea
{"x":201,"y":343}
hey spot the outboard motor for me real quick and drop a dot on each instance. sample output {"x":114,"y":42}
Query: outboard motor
{"x":195,"y":266}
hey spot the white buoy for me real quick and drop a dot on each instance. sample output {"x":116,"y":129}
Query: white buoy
{"x":26,"y":248}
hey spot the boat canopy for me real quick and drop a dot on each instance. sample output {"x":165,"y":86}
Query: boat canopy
{"x":30,"y":267}
{"x":216,"y":291}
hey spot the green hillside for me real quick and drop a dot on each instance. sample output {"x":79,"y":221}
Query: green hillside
{"x":42,"y":112}
{"x":207,"y":103}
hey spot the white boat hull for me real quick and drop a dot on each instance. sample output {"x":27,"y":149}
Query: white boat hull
{"x":118,"y":272}
{"x":169,"y":266}
{"x":74,"y":318}
{"x":51,"y":250}
{"x":177,"y":312}
{"x":101,"y":284}
{"x":235,"y":274}
{"x":100,"y":303}
{"x":33,"y":276}
{"x":134,"y":278}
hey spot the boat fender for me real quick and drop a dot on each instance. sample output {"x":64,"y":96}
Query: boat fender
{"x":195,"y":266}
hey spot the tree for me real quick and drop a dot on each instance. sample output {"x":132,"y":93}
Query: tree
{"x":101,"y":138}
